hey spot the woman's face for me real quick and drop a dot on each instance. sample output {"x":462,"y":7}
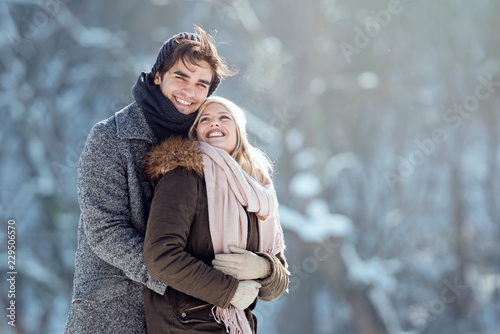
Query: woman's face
{"x":217,"y":127}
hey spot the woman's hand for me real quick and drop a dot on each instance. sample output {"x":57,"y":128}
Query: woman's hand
{"x":245,"y":294}
{"x":242,"y":264}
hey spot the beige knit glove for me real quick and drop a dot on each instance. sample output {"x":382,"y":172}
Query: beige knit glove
{"x":242,"y":264}
{"x":245,"y":294}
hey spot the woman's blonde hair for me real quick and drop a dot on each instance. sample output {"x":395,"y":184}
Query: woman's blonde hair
{"x":249,"y":157}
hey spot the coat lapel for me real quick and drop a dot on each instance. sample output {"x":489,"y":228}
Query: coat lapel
{"x":131,"y":124}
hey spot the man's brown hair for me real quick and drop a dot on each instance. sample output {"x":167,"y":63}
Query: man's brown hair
{"x":193,"y":49}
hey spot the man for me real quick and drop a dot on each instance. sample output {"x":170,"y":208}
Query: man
{"x":110,"y":272}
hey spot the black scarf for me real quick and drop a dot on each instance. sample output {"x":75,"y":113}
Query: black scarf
{"x":160,"y":113}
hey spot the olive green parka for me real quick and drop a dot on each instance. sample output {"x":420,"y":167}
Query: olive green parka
{"x":178,"y":247}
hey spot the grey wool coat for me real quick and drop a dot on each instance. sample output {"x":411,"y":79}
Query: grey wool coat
{"x":114,"y":198}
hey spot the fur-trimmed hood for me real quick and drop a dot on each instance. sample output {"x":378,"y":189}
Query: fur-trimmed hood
{"x":172,"y":153}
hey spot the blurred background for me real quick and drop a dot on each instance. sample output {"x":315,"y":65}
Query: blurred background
{"x":382,"y":118}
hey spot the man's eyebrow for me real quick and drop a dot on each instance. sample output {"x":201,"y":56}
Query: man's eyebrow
{"x":184,"y":75}
{"x":181,"y":74}
{"x":204,"y":82}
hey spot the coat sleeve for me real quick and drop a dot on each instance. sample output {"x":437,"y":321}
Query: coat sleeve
{"x":104,"y":202}
{"x":276,"y":284}
{"x":172,"y":213}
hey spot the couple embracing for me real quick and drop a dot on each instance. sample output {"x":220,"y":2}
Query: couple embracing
{"x":179,"y":230}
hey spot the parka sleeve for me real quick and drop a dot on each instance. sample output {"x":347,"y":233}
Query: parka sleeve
{"x":276,"y":284}
{"x":104,"y":202}
{"x":172,"y":212}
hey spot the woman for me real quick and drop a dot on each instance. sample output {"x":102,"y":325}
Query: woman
{"x":212,"y":196}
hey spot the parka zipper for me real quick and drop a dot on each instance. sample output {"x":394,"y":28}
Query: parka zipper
{"x":184,"y":314}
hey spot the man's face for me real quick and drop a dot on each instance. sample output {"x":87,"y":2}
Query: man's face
{"x":186,"y":87}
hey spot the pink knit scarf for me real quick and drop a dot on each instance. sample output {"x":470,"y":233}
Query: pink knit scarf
{"x":231,"y":192}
